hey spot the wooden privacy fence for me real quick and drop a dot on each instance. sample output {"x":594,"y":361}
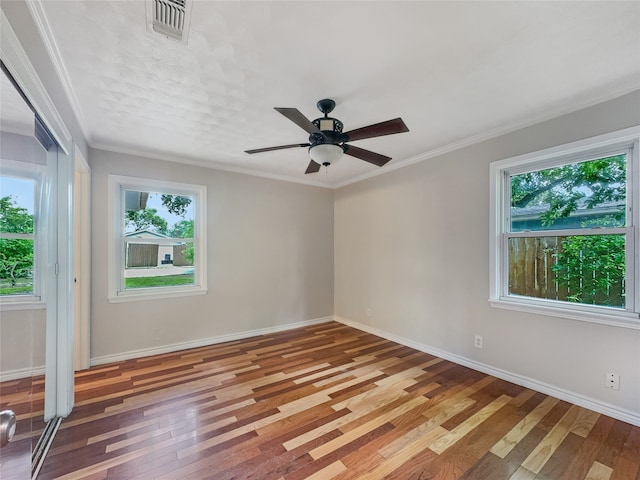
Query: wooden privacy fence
{"x":531,"y":274}
{"x":146,"y":255}
{"x":142,"y":255}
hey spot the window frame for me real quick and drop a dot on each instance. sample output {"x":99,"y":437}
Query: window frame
{"x":33,"y":172}
{"x":118,"y":184}
{"x":626,"y":140}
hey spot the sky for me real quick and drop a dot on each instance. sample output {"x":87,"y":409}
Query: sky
{"x":155,"y":201}
{"x":20,"y":189}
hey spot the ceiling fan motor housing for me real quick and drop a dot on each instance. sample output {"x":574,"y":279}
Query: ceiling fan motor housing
{"x":331,"y":132}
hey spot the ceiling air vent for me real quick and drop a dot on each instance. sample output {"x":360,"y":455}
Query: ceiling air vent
{"x":170,"y":18}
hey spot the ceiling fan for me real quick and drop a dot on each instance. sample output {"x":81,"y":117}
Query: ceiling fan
{"x":327,"y":141}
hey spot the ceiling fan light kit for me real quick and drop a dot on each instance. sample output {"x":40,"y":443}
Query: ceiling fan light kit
{"x":327,"y":142}
{"x":325,"y":153}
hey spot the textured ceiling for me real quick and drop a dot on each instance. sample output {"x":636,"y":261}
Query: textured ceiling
{"x":454,"y":71}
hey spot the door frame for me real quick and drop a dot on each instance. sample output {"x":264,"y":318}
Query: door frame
{"x":82,"y":241}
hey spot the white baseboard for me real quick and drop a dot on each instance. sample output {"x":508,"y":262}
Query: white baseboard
{"x":19,"y":373}
{"x":203,"y":342}
{"x":552,"y":390}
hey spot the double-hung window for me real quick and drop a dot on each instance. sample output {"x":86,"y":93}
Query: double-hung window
{"x":564,"y":231}
{"x":157,"y":239}
{"x":21,"y":255}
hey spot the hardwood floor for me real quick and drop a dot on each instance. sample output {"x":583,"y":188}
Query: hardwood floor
{"x":326,"y":402}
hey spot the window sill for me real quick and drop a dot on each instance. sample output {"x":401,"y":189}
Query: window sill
{"x":155,"y":295}
{"x":601,"y":315}
{"x":33,"y":303}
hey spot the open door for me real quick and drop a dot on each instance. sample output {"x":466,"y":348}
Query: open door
{"x":27,"y":173}
{"x":36,"y":265}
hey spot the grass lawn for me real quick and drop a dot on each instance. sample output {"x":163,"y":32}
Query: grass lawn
{"x":24,"y":286}
{"x":161,"y":281}
{"x":19,"y":290}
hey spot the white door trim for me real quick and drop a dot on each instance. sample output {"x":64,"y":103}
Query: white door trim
{"x":82,"y":233}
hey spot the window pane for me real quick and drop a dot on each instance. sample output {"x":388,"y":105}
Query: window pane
{"x":588,"y":269}
{"x":16,"y":205}
{"x":165,"y":264}
{"x":16,"y":216}
{"x":16,"y":266}
{"x":158,"y":214}
{"x":579,"y":195}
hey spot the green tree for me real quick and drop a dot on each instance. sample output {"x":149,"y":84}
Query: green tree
{"x":16,"y":254}
{"x":176,"y":204}
{"x":146,"y":219}
{"x":591,"y":267}
{"x":182,"y":229}
{"x":562,"y":188}
{"x":14,"y":219}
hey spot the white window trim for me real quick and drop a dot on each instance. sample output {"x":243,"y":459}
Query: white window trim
{"x":35,"y":172}
{"x":497,"y":225}
{"x":117,"y":184}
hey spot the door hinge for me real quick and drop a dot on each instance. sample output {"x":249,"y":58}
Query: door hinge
{"x":56,"y":268}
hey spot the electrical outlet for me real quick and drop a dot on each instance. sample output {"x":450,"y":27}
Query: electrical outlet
{"x":478,"y":341}
{"x":612,"y":381}
{"x":368,"y":312}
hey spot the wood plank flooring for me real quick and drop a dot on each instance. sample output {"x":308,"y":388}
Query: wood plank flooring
{"x":326,"y":402}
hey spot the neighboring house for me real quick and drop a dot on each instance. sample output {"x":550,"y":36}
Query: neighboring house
{"x":529,"y":218}
{"x":149,"y":254}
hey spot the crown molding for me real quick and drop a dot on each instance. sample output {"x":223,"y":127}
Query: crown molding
{"x":619,"y":90}
{"x":198,"y":162}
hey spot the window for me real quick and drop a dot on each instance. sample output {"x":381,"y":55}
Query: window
{"x":20,"y":252}
{"x":158,"y":239}
{"x":564,"y":231}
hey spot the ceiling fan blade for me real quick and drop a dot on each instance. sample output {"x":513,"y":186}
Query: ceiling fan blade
{"x":268,"y":149}
{"x":313,"y":167}
{"x":378,"y":130}
{"x":366,"y":155}
{"x":299,"y":119}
